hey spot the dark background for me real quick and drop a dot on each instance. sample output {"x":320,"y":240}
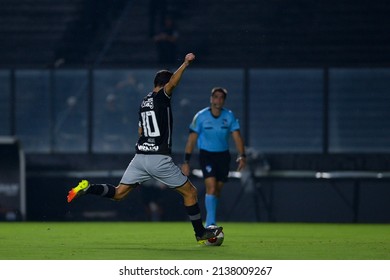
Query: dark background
{"x":309,"y":81}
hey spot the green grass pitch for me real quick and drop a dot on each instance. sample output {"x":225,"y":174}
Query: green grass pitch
{"x":175,"y":241}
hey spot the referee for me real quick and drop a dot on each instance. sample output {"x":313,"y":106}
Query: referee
{"x":210,"y":129}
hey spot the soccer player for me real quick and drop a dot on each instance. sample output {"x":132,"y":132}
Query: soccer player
{"x":211,"y":129}
{"x":153,"y":153}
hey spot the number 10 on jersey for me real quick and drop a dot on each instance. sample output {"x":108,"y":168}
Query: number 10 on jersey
{"x":149,"y":124}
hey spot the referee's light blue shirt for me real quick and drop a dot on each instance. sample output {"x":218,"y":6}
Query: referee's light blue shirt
{"x":213,"y":133}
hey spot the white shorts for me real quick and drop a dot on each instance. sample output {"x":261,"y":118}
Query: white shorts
{"x":159,"y":167}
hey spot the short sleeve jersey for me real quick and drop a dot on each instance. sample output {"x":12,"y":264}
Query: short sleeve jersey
{"x":214,"y":132}
{"x":155,"y":119}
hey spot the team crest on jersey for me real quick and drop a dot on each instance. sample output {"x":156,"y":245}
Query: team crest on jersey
{"x":148,"y":103}
{"x":224,"y":122}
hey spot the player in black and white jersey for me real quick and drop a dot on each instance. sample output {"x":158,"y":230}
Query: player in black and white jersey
{"x":153,"y":154}
{"x":155,"y":119}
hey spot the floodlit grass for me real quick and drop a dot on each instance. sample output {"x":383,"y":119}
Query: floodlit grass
{"x":175,"y":241}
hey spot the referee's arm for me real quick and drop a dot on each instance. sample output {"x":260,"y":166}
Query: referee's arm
{"x":241,"y":159}
{"x":191,"y":141}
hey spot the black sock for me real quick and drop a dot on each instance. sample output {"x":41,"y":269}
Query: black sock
{"x":105,"y":190}
{"x":195,"y":218}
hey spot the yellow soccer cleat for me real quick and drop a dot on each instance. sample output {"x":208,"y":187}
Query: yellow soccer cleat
{"x":81,"y":189}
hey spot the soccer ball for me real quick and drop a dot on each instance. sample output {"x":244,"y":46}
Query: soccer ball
{"x":215,"y":241}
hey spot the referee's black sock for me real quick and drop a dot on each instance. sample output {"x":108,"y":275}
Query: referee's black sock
{"x":195,"y":218}
{"x":105,"y":190}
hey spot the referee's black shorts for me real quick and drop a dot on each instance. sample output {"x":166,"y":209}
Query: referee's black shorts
{"x":215,"y":164}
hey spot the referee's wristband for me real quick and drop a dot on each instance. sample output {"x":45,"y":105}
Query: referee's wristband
{"x":187,"y":157}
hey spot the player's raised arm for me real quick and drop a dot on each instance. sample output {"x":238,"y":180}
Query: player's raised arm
{"x":175,"y":79}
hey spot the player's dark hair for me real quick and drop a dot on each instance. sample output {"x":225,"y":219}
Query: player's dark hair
{"x":221,"y":89}
{"x":162,"y":78}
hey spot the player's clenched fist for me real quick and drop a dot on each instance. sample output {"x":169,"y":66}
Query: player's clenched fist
{"x":189,"y":57}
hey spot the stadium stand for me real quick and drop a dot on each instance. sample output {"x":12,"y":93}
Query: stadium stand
{"x":31,"y":30}
{"x":223,"y":33}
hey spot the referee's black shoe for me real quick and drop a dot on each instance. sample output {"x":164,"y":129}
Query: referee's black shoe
{"x":208,"y":233}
